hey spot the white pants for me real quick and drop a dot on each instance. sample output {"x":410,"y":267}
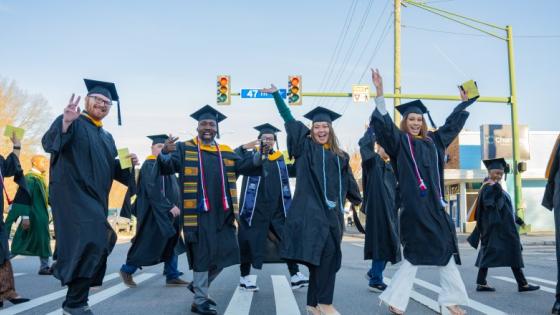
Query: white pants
{"x":453,"y":291}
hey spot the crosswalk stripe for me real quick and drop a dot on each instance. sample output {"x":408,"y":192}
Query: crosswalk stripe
{"x":284,"y":296}
{"x":18,"y":274}
{"x":422,"y":299}
{"x":110,"y":292}
{"x":358,"y":245}
{"x":506,"y":279}
{"x":16,"y":309}
{"x":542,"y":280}
{"x":240,"y":302}
{"x":472,"y":303}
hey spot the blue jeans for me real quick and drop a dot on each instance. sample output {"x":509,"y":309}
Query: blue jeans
{"x":169,"y":268}
{"x":376,"y":272}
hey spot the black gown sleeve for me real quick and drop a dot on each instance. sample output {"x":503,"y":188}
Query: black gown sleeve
{"x":152,"y":183}
{"x":10,"y":165}
{"x":366,"y":145}
{"x":170,"y":163}
{"x":353,"y":194}
{"x":54,"y":141}
{"x":492,"y":200}
{"x":297,"y":134}
{"x":247,"y":165}
{"x":388,"y":135}
{"x":453,"y":124}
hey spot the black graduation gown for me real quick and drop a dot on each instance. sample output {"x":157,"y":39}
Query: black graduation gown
{"x":215,"y":245}
{"x":157,"y":232}
{"x":259,"y":242}
{"x":380,"y":206}
{"x":551,"y":198}
{"x":83,"y":167}
{"x":9,"y":167}
{"x":428,"y":236}
{"x":500,"y":245}
{"x":310,"y":221}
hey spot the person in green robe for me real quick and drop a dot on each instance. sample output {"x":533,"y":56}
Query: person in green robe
{"x":32,"y":236}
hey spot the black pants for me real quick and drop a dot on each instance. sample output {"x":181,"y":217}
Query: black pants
{"x":557,"y":233}
{"x":245,"y":268}
{"x":517,"y":273}
{"x":78,"y":292}
{"x":323,"y":276}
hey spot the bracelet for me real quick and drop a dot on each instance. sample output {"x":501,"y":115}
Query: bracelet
{"x":17,"y":148}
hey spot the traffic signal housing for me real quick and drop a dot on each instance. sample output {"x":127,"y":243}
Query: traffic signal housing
{"x":294,"y":90}
{"x":223,"y":90}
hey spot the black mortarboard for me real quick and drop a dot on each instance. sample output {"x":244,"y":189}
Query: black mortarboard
{"x":266,"y":128}
{"x":320,"y":113}
{"x":107,"y":89}
{"x":158,"y":139}
{"x":208,"y":112}
{"x":416,"y":107}
{"x":496,"y":164}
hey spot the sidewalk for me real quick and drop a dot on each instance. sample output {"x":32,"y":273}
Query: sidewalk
{"x":531,"y":239}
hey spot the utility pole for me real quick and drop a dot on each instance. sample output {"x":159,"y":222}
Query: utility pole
{"x":397,"y":62}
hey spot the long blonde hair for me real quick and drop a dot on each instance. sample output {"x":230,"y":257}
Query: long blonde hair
{"x":423,"y":129}
{"x":332,"y":141}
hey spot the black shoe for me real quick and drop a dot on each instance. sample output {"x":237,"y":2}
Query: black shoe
{"x":18,"y":300}
{"x":484,"y":288}
{"x":45,"y":272}
{"x":556,"y":307}
{"x":204,"y":309}
{"x":84,"y":310}
{"x":1,"y":304}
{"x":209,"y":300}
{"x":528,"y":287}
{"x":378,"y":288}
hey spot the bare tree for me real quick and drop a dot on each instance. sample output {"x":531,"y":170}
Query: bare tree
{"x":28,"y":111}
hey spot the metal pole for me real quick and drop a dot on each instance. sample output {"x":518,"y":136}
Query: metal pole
{"x":397,"y":77}
{"x":514,"y":127}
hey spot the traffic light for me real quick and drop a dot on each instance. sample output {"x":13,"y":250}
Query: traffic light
{"x":223,"y":90}
{"x":294,"y":90}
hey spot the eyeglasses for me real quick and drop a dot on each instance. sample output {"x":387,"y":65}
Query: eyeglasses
{"x":98,"y":99}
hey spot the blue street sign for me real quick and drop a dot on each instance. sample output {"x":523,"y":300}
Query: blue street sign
{"x":254,"y":93}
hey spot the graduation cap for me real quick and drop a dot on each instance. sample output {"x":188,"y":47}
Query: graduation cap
{"x":322,"y":114}
{"x":496,"y":164}
{"x":208,"y":112}
{"x":158,"y":139}
{"x":416,"y":107}
{"x":107,"y":89}
{"x":268,"y":129}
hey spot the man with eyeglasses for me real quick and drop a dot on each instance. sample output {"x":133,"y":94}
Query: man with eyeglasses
{"x":82,"y":169}
{"x":265,"y":202}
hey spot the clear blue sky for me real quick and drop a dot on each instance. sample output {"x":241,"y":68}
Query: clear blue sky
{"x":164,"y":57}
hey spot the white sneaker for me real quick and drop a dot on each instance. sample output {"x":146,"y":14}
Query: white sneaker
{"x":246,"y":284}
{"x":299,"y":281}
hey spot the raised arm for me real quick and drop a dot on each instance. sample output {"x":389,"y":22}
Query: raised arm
{"x":296,"y":131}
{"x":388,"y":135}
{"x":61,"y":131}
{"x":454,"y":122}
{"x":170,"y":159}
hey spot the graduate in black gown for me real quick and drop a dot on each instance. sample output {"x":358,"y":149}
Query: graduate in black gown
{"x":551,"y":201}
{"x":207,"y":175}
{"x":9,"y":167}
{"x":265,"y":202}
{"x":496,"y":229}
{"x":315,"y":222}
{"x":427,"y":233}
{"x":158,"y":218}
{"x":82,"y":169}
{"x":380,"y":205}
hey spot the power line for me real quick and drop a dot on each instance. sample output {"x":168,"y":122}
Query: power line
{"x":352,"y":47}
{"x":368,"y":43}
{"x":473,"y":34}
{"x":339,"y":44}
{"x":386,"y":30}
